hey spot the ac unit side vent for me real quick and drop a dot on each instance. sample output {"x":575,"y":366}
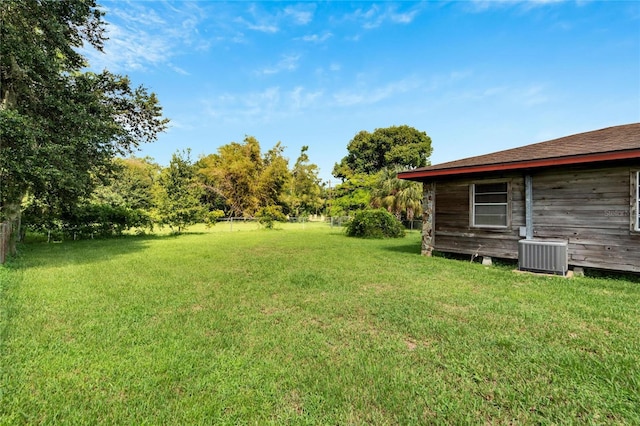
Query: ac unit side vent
{"x":543,"y":256}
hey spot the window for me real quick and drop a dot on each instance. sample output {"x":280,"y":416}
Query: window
{"x":490,"y":205}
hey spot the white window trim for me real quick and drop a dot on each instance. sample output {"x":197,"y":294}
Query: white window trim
{"x":472,"y":204}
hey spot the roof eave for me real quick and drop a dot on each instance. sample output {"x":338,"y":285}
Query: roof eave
{"x":518,"y":165}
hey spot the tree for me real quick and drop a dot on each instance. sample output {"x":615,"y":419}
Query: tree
{"x":274,"y":178}
{"x":234,"y":173}
{"x":178,"y":194}
{"x":129,"y":184}
{"x":305,"y":195}
{"x":398,"y":196}
{"x":206,"y":176}
{"x":352,"y":195}
{"x":133,"y":180}
{"x":386,"y":147}
{"x":59,"y":126}
{"x":121,"y":202}
{"x":243,"y":178}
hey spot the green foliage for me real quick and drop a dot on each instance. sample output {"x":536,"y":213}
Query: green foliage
{"x":305,"y":194}
{"x":60,"y":126}
{"x":211,"y":217}
{"x":386,"y":147}
{"x":368,"y":172}
{"x":234,"y":173}
{"x":267,"y":216}
{"x":352,"y":195}
{"x":133,"y":180}
{"x":274,"y":178}
{"x":246,"y":181}
{"x":103,"y":220}
{"x":377,"y":223}
{"x":398,"y":196}
{"x":178,"y":194}
{"x":86,"y":220}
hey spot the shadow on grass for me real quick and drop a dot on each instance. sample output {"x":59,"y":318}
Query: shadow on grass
{"x":36,"y":254}
{"x":406,"y":248}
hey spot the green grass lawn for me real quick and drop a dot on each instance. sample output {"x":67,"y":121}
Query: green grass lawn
{"x":306,"y":326}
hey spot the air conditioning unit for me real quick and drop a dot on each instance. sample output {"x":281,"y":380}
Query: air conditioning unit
{"x":543,"y":256}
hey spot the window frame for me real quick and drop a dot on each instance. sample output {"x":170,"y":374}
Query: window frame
{"x":473,"y":204}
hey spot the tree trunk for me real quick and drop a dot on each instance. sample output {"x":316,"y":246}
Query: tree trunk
{"x":14,"y":218}
{"x":10,"y":231}
{"x":10,"y":211}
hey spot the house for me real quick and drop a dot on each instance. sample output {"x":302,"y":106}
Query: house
{"x":581,"y":192}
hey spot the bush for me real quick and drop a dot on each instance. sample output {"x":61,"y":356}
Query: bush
{"x":267,"y":216}
{"x":86,"y":221}
{"x":211,"y":218}
{"x":375,"y":224}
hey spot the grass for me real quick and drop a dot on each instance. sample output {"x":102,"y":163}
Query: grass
{"x":306,"y":326}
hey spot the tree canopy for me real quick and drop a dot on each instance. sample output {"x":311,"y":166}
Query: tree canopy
{"x":178,"y":194}
{"x":305,"y":193}
{"x":235,"y":172}
{"x":60,"y":125}
{"x":387,"y":147}
{"x":249,"y":181}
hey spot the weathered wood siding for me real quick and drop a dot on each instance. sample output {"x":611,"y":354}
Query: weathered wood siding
{"x":453,"y":232}
{"x":590,"y":208}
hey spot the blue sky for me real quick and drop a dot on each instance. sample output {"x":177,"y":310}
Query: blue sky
{"x":477,"y":76}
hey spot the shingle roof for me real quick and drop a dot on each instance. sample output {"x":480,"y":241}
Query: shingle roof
{"x":611,"y":143}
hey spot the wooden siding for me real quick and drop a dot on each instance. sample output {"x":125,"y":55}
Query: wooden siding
{"x":453,"y":232}
{"x":589,"y":208}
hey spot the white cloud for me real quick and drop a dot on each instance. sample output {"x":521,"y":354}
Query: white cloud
{"x":145,"y":16}
{"x":404,"y":18}
{"x":484,"y":5}
{"x":179,"y":70}
{"x":376,"y":15}
{"x":367,"y":95}
{"x":263,"y":28}
{"x":519,"y":96}
{"x":532,"y":96}
{"x":271,"y":23}
{"x":139,"y":37}
{"x":287,"y":63}
{"x":301,"y":14}
{"x":264,"y":106}
{"x":130,"y":49}
{"x":317,"y":38}
{"x":300,"y":98}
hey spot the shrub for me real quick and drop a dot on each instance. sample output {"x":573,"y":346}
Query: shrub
{"x":270,"y":214}
{"x":375,"y":224}
{"x":86,"y":220}
{"x":211,"y":218}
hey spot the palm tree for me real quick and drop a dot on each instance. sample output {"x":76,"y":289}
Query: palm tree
{"x":396,"y":195}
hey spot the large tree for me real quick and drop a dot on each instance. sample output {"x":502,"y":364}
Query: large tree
{"x":234,"y":174}
{"x":393,"y":146}
{"x":178,"y":194}
{"x":398,"y":196}
{"x":305,"y":194}
{"x":133,"y":181}
{"x":274,"y":178}
{"x":60,"y":126}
